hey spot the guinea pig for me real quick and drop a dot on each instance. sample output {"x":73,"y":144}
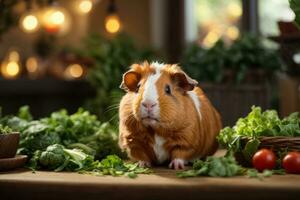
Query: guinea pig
{"x":165,"y":116}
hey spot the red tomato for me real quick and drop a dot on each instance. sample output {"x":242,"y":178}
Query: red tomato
{"x":291,"y":163}
{"x":264,"y":159}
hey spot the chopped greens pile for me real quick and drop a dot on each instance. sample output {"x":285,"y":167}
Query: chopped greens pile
{"x":225,"y":166}
{"x":257,"y":124}
{"x":115,"y":166}
{"x":58,"y":158}
{"x":253,"y":173}
{"x":214,"y":166}
{"x":62,"y":142}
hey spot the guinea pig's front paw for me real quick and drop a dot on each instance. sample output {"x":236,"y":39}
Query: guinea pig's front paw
{"x":144,"y":163}
{"x":177,"y":163}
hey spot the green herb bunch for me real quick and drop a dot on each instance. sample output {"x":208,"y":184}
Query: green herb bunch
{"x":214,"y":166}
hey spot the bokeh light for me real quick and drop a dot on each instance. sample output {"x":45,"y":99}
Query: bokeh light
{"x":232,"y":32}
{"x":112,"y":23}
{"x":74,"y":71}
{"x":55,"y":20}
{"x":85,"y":6}
{"x":31,"y":64}
{"x":29,"y":23}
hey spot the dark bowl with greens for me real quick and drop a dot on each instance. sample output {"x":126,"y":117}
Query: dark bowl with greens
{"x":9,"y":142}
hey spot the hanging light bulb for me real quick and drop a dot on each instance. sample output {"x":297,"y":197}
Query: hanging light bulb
{"x":85,"y":6}
{"x":55,"y":19}
{"x":11,"y":67}
{"x":29,"y":22}
{"x":112,"y":20}
{"x":112,"y":24}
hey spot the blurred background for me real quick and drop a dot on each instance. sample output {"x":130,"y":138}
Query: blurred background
{"x":67,"y":54}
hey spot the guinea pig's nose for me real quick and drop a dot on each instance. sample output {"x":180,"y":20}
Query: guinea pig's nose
{"x":149,"y":105}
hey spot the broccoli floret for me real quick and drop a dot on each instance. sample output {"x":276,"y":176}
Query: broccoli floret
{"x":53,"y":157}
{"x":57,"y":158}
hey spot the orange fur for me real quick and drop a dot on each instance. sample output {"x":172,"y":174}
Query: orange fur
{"x":187,"y":135}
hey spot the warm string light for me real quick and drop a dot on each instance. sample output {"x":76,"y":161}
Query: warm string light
{"x":112,"y":20}
{"x":11,"y":68}
{"x":74,"y":71}
{"x":29,"y":22}
{"x":85,"y":6}
{"x":112,"y":24}
{"x":53,"y":19}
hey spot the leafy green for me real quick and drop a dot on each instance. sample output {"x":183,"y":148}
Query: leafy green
{"x":250,"y":149}
{"x":76,"y":142}
{"x":24,"y":113}
{"x":225,"y":166}
{"x":215,"y":167}
{"x":58,"y":158}
{"x":295,"y":6}
{"x":5,"y":129}
{"x":80,"y":130}
{"x":115,"y":166}
{"x":253,"y":173}
{"x":255,"y":125}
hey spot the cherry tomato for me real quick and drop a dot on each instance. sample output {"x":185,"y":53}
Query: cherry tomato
{"x":264,"y":159}
{"x":291,"y":163}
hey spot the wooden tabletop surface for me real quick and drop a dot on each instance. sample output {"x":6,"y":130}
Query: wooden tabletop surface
{"x":163,"y":184}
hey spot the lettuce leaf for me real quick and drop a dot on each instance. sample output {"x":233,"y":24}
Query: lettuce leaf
{"x":257,"y":124}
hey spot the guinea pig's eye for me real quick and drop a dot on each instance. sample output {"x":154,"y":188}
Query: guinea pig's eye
{"x":167,"y":89}
{"x":137,"y":88}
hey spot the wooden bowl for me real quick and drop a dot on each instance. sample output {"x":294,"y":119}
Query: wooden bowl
{"x":9,"y":145}
{"x":12,"y":163}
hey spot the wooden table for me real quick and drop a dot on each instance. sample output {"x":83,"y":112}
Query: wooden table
{"x":163,"y":184}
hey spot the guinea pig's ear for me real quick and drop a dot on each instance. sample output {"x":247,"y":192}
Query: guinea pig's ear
{"x":183,"y":81}
{"x":130,"y":81}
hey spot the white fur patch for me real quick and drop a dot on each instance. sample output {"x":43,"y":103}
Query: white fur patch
{"x":150,"y":91}
{"x":196,"y":101}
{"x":159,"y":150}
{"x":157,"y":65}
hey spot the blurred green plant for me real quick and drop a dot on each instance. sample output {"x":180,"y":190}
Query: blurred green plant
{"x":247,"y":56}
{"x":295,"y":6}
{"x":111,"y":58}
